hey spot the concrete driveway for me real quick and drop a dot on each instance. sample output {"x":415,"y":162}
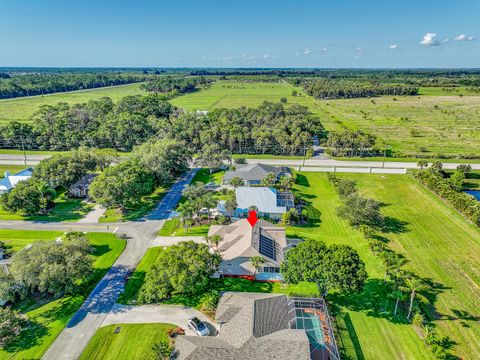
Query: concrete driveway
{"x":170,"y":314}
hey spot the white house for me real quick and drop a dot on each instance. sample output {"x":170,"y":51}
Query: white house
{"x":10,"y":181}
{"x":269,"y":202}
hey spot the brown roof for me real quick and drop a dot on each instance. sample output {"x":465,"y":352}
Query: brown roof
{"x":241,"y":239}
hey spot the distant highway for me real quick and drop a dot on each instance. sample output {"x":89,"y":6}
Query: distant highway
{"x":18,"y":159}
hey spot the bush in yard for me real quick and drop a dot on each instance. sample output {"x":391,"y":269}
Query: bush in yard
{"x":210,"y":301}
{"x":162,"y":350}
{"x":359,"y":210}
{"x":51,"y":268}
{"x":122,"y":186}
{"x":11,"y":324}
{"x":184,"y":268}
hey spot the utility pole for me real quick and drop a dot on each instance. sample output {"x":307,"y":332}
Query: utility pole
{"x":384,"y":154}
{"x":304,"y":153}
{"x":23,"y":148}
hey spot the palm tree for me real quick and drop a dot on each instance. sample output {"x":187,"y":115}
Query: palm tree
{"x":286,"y":183}
{"x":399,"y":296}
{"x":46,"y":194}
{"x":236,"y":182}
{"x":413,"y":285}
{"x":214,"y":241}
{"x":269,"y":179}
{"x":186,"y":212}
{"x":231,"y":206}
{"x":257,"y":262}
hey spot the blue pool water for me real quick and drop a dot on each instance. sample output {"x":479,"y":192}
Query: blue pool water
{"x":475,"y":193}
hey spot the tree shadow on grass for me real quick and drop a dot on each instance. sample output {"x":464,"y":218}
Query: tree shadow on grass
{"x":302,"y":180}
{"x":393,"y":225}
{"x":30,"y":337}
{"x":99,"y":250}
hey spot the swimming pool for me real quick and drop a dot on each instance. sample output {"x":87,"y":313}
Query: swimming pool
{"x":310,"y":322}
{"x":475,"y":193}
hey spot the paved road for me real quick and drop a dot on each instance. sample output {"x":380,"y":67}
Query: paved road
{"x":346,"y":163}
{"x":172,"y":314}
{"x":17,"y":159}
{"x":78,"y":332}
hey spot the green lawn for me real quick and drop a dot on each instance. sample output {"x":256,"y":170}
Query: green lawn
{"x":48,"y":320}
{"x":65,"y":209}
{"x":22,"y":108}
{"x":174,"y":227}
{"x":147,"y":204}
{"x":204,"y":176}
{"x":440,"y":245}
{"x":134,"y":341}
{"x":410,"y":125}
{"x":17,"y":239}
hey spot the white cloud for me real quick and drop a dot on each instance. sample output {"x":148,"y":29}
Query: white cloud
{"x":323,"y":49}
{"x":393,"y":46}
{"x":429,"y":40}
{"x":266,"y":56}
{"x":307,"y":52}
{"x":357,"y":57}
{"x":463,"y":37}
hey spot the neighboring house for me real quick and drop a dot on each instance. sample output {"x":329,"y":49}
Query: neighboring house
{"x":250,"y":237}
{"x":253,"y":174}
{"x":9,"y":181}
{"x":264,"y":326}
{"x":80,"y":188}
{"x":269,"y":202}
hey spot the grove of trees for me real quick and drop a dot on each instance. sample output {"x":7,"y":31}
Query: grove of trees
{"x":174,"y":85}
{"x":322,"y":88}
{"x":16,"y":85}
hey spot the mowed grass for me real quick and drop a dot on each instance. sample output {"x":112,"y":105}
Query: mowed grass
{"x":12,"y":168}
{"x":442,"y":246}
{"x":16,"y":240}
{"x":23,"y":108}
{"x":64,"y":209}
{"x":48,"y":320}
{"x":134,"y":341}
{"x":362,"y":320}
{"x":430,"y":125}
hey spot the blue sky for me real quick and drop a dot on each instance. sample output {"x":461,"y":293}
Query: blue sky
{"x":246,"y":33}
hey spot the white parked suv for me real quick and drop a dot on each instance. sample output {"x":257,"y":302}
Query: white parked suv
{"x":198,"y":326}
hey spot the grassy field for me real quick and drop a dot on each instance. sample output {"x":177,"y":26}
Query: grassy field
{"x":440,"y":245}
{"x":49,"y":319}
{"x":23,"y":108}
{"x":134,"y":341}
{"x":204,"y":176}
{"x":430,"y":125}
{"x":174,"y":227}
{"x":452,"y":91}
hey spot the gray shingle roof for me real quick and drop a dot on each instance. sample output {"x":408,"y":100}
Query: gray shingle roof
{"x":253,"y":326}
{"x":253,"y":172}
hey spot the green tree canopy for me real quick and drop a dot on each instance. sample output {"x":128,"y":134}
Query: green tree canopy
{"x":184,"y":268}
{"x":335,"y":267}
{"x":122,"y":185}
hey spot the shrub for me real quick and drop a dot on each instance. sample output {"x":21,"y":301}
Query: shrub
{"x":12,"y":323}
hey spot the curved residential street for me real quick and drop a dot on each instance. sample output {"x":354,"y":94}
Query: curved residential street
{"x":80,"y":329}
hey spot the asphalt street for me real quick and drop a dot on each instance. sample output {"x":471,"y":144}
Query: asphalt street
{"x":78,"y":332}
